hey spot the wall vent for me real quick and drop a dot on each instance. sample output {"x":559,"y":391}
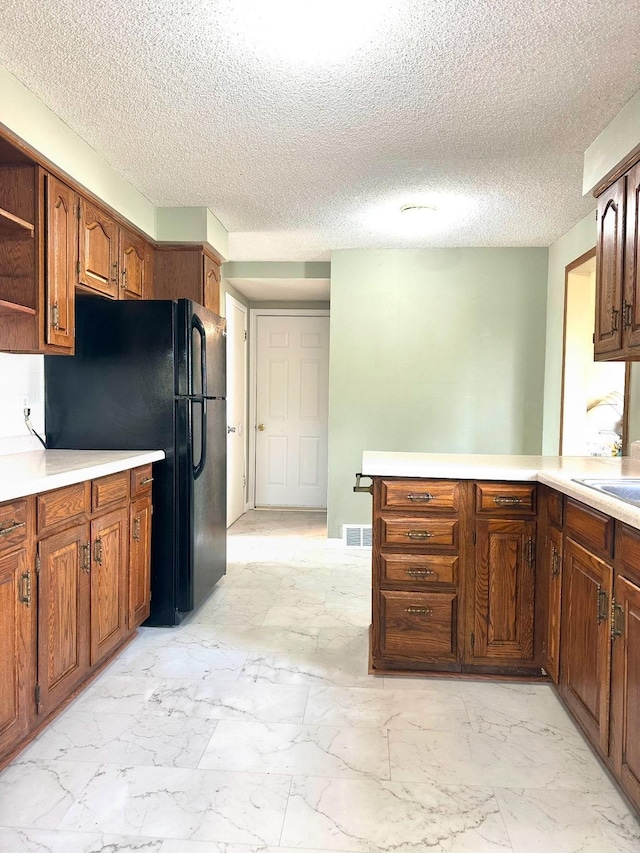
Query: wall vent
{"x":357,"y":535}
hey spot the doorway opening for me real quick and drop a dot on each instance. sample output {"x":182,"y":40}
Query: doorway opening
{"x":594,"y":402}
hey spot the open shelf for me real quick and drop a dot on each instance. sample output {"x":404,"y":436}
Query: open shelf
{"x":13,"y":308}
{"x":13,"y":226}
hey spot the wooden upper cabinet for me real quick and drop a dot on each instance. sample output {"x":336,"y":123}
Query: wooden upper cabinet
{"x":98,"y":251}
{"x":211,"y":276}
{"x":610,"y":248}
{"x":133,"y":265}
{"x":504,"y":591}
{"x":585,"y":654}
{"x":61,"y":261}
{"x":631,"y":319}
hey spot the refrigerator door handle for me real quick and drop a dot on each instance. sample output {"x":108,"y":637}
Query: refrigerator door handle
{"x":202,"y":460}
{"x":198,"y":325}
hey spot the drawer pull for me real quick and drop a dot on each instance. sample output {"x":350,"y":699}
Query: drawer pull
{"x":145,"y":480}
{"x":419,"y":534}
{"x":420,"y":572}
{"x":15,"y":525}
{"x":507,"y":500}
{"x":420,"y":497}
{"x":418,"y":611}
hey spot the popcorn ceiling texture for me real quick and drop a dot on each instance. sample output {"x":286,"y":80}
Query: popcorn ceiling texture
{"x":492,"y":101}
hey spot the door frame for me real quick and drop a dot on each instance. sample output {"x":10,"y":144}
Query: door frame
{"x":586,"y":256}
{"x":254,"y":313}
{"x":231,"y":300}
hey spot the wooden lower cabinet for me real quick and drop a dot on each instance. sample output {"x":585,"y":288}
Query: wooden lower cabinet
{"x":139,"y":561}
{"x":17,"y":641}
{"x":504,"y":591}
{"x":419,"y":626}
{"x":109,"y":564}
{"x":63,"y":615}
{"x":552,"y":577}
{"x":586,"y":641}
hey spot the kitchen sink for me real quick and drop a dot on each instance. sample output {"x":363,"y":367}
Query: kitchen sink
{"x":624,"y":490}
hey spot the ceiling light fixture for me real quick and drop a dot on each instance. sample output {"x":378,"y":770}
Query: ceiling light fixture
{"x":418,"y":212}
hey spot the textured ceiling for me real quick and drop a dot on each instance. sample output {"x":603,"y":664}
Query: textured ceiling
{"x":305,"y":125}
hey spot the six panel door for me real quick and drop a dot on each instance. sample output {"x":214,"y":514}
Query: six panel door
{"x":108,"y":582}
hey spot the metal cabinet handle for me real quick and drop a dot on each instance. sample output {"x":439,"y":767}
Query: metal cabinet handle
{"x":419,"y":572}
{"x":15,"y":525}
{"x":418,"y":611}
{"x":86,"y":558}
{"x":97,"y":552}
{"x":420,"y":497}
{"x":145,"y":480}
{"x":617,"y":620}
{"x":136,"y":529}
{"x":602,"y":600}
{"x":529,"y":552}
{"x":24,"y":595}
{"x":555,"y":562}
{"x":123,"y":285}
{"x":55,"y":317}
{"x":627,"y":321}
{"x":507,"y":500}
{"x":419,"y":534}
{"x":615,"y":313}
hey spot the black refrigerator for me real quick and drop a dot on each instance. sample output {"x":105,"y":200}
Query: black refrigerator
{"x":151,"y":375}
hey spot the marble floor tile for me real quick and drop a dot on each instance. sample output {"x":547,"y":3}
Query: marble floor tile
{"x":319,"y":616}
{"x":175,"y":661}
{"x":39,"y":793}
{"x":349,"y":640}
{"x":311,"y":668}
{"x":164,"y":802}
{"x":354,"y":815}
{"x":125,"y":739}
{"x":302,"y":750}
{"x":395,"y":710}
{"x":566,"y":822}
{"x":464,"y":757}
{"x":230,"y":701}
{"x":118,"y":694}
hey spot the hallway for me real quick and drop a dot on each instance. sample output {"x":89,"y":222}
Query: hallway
{"x":255,"y":728}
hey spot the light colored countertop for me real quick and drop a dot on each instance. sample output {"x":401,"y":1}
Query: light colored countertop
{"x":559,"y":472}
{"x":42,"y":470}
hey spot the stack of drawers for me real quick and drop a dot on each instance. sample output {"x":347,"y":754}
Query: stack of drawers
{"x":416,"y":574}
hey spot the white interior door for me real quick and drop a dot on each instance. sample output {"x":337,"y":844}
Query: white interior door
{"x":292,"y":405}
{"x":236,"y":315}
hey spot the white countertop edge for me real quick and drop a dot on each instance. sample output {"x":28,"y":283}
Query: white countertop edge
{"x":555,"y":471}
{"x":38,"y":471}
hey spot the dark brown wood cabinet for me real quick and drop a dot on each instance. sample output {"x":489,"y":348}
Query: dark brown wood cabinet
{"x":98,"y":251}
{"x":187,"y":271}
{"x":504,"y":591}
{"x":108,"y":576}
{"x":552,"y":578}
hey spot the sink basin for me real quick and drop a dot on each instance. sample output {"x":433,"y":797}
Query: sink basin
{"x":624,"y":490}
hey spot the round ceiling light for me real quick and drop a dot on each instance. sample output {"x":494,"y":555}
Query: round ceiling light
{"x":418,"y":212}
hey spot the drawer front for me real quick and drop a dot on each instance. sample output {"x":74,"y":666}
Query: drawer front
{"x":141,"y":480}
{"x":109,"y":490}
{"x":555,"y":507}
{"x":54,"y":508}
{"x":412,"y":569}
{"x":628,"y":549}
{"x":418,"y":625}
{"x":426,"y":532}
{"x":505,"y":498}
{"x":589,"y":527}
{"x":416,"y":494}
{"x":13,"y":523}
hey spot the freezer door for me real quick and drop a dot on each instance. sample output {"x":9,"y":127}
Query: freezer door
{"x":201,"y":352}
{"x":202,"y":499}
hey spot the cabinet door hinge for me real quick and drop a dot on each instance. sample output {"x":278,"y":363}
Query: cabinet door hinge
{"x":38,"y":563}
{"x":245,"y":334}
{"x":37,"y":691}
{"x":473,"y":640}
{"x":78,"y":267}
{"x":79,"y":211}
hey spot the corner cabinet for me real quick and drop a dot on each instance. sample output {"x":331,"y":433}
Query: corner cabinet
{"x":74,"y":584}
{"x":187,"y":271}
{"x":617,"y":326}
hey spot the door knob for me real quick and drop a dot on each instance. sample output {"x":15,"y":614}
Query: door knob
{"x":231,"y":429}
{"x":261,"y":427}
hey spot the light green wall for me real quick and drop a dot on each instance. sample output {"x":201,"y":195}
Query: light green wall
{"x":435,"y":350}
{"x":570,"y":246}
{"x":619,"y":138}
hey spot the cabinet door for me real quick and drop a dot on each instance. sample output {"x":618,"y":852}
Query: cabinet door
{"x":586,"y":644}
{"x":98,"y":250}
{"x":610,"y":269}
{"x":211,"y":285}
{"x":133,"y":252}
{"x":504,"y":591}
{"x":625,"y":687}
{"x":109,"y":556}
{"x":553,"y":579}
{"x":63,"y":615}
{"x":61,"y":256}
{"x":631,"y":319}
{"x":139,"y":561}
{"x":16,"y":649}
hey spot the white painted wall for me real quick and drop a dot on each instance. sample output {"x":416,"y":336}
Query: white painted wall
{"x":20,"y":375}
{"x":435,"y":350}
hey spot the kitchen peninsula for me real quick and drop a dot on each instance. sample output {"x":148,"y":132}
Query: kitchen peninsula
{"x":75,"y":534}
{"x":507,"y":566}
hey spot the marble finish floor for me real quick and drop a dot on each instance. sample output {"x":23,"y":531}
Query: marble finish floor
{"x":255,"y":728}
